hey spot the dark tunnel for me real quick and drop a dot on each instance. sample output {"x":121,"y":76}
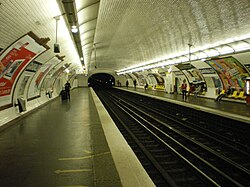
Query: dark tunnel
{"x":101,"y":81}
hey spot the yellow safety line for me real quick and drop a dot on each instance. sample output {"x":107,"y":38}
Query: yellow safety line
{"x":100,"y":154}
{"x":75,"y":158}
{"x":71,"y":171}
{"x":84,"y":157}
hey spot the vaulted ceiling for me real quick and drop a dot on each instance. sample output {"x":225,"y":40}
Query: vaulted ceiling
{"x":117,"y":34}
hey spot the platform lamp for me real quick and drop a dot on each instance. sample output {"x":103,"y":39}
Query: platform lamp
{"x":56,"y":45}
{"x":247,"y":87}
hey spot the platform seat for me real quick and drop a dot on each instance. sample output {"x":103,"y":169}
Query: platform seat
{"x":241,"y":95}
{"x":222,"y":92}
{"x":234,"y":95}
{"x":159,"y":87}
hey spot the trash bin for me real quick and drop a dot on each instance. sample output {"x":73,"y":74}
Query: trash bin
{"x":49,"y":93}
{"x":21,"y":104}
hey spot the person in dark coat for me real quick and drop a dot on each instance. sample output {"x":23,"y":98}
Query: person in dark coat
{"x":134,"y":83}
{"x":67,"y":89}
{"x":127,"y":83}
{"x":184,"y":90}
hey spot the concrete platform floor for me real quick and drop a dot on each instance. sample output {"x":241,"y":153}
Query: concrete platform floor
{"x":69,"y":143}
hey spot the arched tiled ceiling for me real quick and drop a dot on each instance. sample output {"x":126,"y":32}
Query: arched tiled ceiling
{"x":125,"y":32}
{"x":87,"y":12}
{"x":131,"y":32}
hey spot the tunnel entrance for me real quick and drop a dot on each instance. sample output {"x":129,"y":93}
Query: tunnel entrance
{"x":101,"y":81}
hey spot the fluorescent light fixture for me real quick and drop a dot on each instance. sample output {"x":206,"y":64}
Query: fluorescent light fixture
{"x":212,"y":52}
{"x":229,"y":46}
{"x":241,"y":46}
{"x":74,"y":29}
{"x":225,"y":49}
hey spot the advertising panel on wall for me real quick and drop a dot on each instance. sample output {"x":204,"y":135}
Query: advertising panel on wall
{"x":23,"y":84}
{"x":158,"y":78}
{"x":33,"y":66}
{"x":55,"y":75}
{"x":231,"y":72}
{"x":140,"y":78}
{"x":192,"y":73}
{"x":72,"y":75}
{"x":36,"y":83}
{"x":15,"y":58}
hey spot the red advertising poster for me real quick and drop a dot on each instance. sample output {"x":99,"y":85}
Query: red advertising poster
{"x":14,"y":59}
{"x":56,"y":75}
{"x":43,"y":71}
{"x":231,"y":72}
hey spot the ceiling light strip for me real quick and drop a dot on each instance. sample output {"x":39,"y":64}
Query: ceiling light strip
{"x":209,"y":52}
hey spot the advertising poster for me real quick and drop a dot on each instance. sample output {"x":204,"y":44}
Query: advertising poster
{"x":43,"y":71}
{"x":207,"y":71}
{"x":72,"y":75}
{"x":36,"y":83}
{"x":14,"y":59}
{"x":33,"y":66}
{"x":55,"y":75}
{"x":191,"y":72}
{"x":158,"y":78}
{"x":230,"y":71}
{"x":140,"y":78}
{"x":23,"y":85}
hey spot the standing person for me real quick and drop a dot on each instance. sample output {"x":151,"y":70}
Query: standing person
{"x":127,"y":83}
{"x":184,"y":89}
{"x":135,"y":83}
{"x":192,"y":89}
{"x":67,"y":89}
{"x":118,"y":83}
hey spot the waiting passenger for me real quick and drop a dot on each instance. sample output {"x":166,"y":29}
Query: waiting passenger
{"x":135,"y":83}
{"x":228,"y":92}
{"x":146,"y":86}
{"x":192,"y":89}
{"x":184,"y":90}
{"x":127,"y":83}
{"x":67,"y":89}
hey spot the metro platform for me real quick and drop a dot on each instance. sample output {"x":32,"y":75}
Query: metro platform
{"x":70,"y":143}
{"x":75,"y":143}
{"x":227,"y":108}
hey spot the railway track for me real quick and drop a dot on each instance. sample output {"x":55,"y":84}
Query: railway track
{"x":175,"y":151}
